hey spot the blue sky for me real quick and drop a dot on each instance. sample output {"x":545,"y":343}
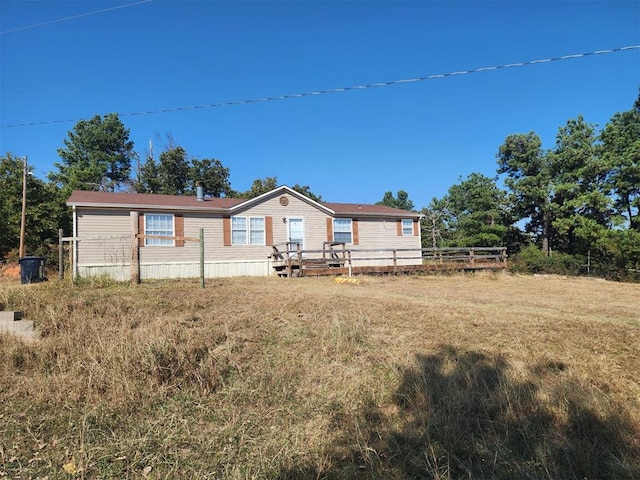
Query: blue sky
{"x":348,"y":147}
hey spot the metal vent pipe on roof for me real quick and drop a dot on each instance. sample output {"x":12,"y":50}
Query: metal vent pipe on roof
{"x":199,"y":192}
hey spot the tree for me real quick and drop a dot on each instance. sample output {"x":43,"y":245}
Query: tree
{"x":573,"y":194}
{"x":402,"y":202}
{"x":306,"y":191}
{"x":148,"y":180}
{"x":97,"y":154}
{"x":45,"y":209}
{"x":477,"y":213}
{"x":259,"y":187}
{"x":528,"y":176}
{"x":435,"y":221}
{"x":213,"y":175}
{"x":173,"y":172}
{"x":617,"y":254}
{"x":621,"y":153}
{"x":562,"y":192}
{"x":579,"y":195}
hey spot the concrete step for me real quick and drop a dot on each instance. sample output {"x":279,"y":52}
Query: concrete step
{"x":17,"y":326}
{"x":13,"y":323}
{"x":10,"y":316}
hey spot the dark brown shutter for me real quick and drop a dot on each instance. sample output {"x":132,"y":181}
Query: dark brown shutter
{"x":399,"y":225}
{"x":179,"y":221}
{"x":268,"y":230}
{"x":354,"y":228}
{"x":226,"y":231}
{"x":416,"y":228}
{"x":141,"y":231}
{"x":329,"y":229}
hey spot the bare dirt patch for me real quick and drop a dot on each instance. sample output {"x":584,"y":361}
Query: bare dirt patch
{"x":10,"y":271}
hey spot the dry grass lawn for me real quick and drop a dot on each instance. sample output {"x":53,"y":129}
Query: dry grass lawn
{"x":467,"y":376}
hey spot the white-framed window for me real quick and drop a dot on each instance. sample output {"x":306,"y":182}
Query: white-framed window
{"x":256,"y":231}
{"x":407,"y":226}
{"x":247,"y":231}
{"x":158,"y":224}
{"x":342,"y":230}
{"x":238,"y":230}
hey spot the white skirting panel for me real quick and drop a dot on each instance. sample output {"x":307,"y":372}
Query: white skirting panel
{"x":120,"y":273}
{"x":251,"y":268}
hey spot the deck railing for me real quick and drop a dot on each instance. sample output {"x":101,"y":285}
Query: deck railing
{"x":336,"y":254}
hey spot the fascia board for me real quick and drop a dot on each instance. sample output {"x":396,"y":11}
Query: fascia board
{"x":139,"y":206}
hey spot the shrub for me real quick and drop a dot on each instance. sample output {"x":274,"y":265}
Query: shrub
{"x":531,"y":259}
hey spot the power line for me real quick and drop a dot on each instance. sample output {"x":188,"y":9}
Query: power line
{"x":74,"y":17}
{"x":342,"y":89}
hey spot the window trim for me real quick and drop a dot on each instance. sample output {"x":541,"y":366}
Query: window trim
{"x":407,"y":228}
{"x":146,"y":229}
{"x":244,"y":230}
{"x":350,"y":229}
{"x":248,"y":230}
{"x":263,"y":240}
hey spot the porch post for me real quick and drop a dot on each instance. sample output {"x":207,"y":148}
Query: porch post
{"x":135,"y":248}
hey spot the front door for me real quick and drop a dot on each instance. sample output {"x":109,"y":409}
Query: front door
{"x":296,"y":233}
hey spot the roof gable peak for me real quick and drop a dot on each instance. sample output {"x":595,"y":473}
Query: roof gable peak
{"x":281,"y":190}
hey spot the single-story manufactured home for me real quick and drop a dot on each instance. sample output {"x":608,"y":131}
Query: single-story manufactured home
{"x":241,"y":236}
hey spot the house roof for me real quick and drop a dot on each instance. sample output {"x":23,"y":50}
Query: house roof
{"x":366,"y":209}
{"x":82,"y":198}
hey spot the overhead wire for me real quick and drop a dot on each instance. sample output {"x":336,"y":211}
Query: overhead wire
{"x":343,"y":89}
{"x":104,"y":10}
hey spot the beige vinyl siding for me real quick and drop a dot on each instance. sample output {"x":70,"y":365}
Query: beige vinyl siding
{"x":377,"y":233}
{"x":214,"y":249}
{"x":383,"y":235}
{"x":105,"y":237}
{"x":190,"y":252}
{"x":111,"y":255}
{"x":315,"y":229}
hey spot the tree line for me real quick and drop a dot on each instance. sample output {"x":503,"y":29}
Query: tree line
{"x":562,"y":209}
{"x":571,"y":208}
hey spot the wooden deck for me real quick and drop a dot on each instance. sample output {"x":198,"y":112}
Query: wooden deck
{"x":336,"y":259}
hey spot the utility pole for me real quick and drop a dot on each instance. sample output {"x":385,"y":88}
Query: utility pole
{"x":24,"y":206}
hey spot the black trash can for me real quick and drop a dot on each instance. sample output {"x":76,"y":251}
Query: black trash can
{"x":31,"y":269}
